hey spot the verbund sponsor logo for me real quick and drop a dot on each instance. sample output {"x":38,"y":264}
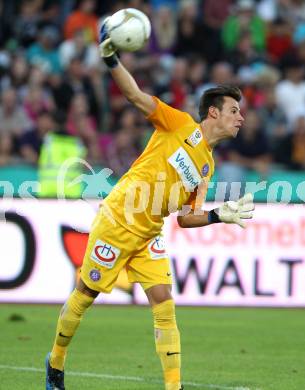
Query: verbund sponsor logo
{"x":186,"y":169}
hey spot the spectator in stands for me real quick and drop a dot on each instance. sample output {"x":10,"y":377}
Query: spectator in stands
{"x":58,"y":147}
{"x":300,"y":51}
{"x":178,"y":87}
{"x":77,"y":46}
{"x":83,"y":18}
{"x":248,"y":151}
{"x":31,"y":141}
{"x":37,"y":77}
{"x":52,"y":13}
{"x":40,"y":80}
{"x":245,"y":19}
{"x":214,"y":15}
{"x":6,"y":149}
{"x":219,"y":73}
{"x":119,"y":149}
{"x":279,"y":40}
{"x":17,"y":76}
{"x":190,"y":106}
{"x":164,"y":31}
{"x":83,"y":125}
{"x":290,"y":92}
{"x":293,"y":11}
{"x":255,"y":88}
{"x":122,"y":152}
{"x":272,"y":118}
{"x":129,"y":119}
{"x":144,"y":131}
{"x":296,"y":53}
{"x":79,"y":107}
{"x":27,"y":23}
{"x":13,"y":120}
{"x":89,"y":139}
{"x":5,"y":23}
{"x":44,"y":53}
{"x":290,"y":152}
{"x":171,"y":81}
{"x":75,"y":81}
{"x":191,"y":38}
{"x":197,"y":73}
{"x":244,"y":55}
{"x":36,"y":101}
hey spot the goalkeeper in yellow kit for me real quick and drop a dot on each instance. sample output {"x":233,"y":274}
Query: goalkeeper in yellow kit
{"x":171,"y":174}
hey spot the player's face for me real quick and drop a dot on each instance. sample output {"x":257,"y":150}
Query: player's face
{"x":230,"y":118}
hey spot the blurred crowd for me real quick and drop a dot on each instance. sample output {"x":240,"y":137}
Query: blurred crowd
{"x":53,"y":81}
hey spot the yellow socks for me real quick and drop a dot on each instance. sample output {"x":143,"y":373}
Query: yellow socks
{"x":167,"y":337}
{"x":167,"y":340}
{"x":69,"y":319}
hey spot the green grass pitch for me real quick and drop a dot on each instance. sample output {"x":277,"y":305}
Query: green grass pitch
{"x":223,"y":348}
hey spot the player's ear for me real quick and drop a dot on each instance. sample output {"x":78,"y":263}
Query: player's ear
{"x":213,"y":112}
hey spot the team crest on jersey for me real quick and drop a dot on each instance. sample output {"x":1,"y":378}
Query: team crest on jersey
{"x":157,"y":249}
{"x":195,"y":138}
{"x":186,"y":169}
{"x":104,"y":254}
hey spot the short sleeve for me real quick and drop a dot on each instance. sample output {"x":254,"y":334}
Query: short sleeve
{"x":198,"y":196}
{"x":167,"y":118}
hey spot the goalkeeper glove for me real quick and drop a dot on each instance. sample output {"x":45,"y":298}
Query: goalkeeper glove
{"x":107,"y":48}
{"x":234,"y":212}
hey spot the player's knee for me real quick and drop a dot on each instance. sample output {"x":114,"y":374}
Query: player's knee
{"x":83,"y":288}
{"x":79,"y":302}
{"x":164,"y":315}
{"x":157,"y":294}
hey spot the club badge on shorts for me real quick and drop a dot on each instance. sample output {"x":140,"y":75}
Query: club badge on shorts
{"x":157,"y":249}
{"x":104,"y":254}
{"x":95,"y":275}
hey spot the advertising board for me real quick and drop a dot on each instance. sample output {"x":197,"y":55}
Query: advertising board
{"x":43,"y":242}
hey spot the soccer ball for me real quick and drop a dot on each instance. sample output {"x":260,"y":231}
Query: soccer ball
{"x":129,"y":29}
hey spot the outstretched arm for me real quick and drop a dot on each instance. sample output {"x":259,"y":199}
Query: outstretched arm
{"x":122,"y":77}
{"x":229,"y":212}
{"x":191,"y":219}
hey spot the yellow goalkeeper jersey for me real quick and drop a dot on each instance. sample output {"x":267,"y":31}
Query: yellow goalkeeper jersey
{"x":173,"y":171}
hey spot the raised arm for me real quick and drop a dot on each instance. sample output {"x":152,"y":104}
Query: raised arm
{"x":131,"y":90}
{"x":122,"y":77}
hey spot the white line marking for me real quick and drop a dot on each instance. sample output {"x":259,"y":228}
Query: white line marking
{"x":126,"y":378}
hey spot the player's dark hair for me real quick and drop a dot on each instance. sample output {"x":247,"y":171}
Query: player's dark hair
{"x":215,"y":97}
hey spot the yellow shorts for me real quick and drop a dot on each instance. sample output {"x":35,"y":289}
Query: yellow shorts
{"x":112,"y":247}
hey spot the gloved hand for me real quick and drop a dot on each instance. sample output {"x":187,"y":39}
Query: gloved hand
{"x":236,"y":212}
{"x":107,"y":48}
